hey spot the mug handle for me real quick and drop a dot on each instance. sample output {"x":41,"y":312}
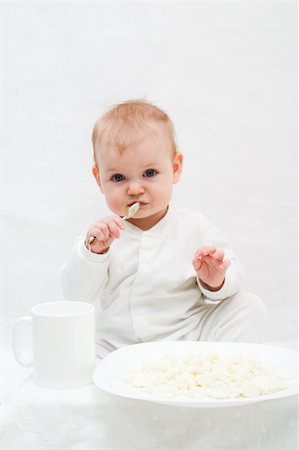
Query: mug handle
{"x":16,"y":339}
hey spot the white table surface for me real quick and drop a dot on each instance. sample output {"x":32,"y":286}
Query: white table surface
{"x":34,"y":418}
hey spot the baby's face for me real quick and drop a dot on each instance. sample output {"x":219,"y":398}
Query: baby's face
{"x":144,"y":174}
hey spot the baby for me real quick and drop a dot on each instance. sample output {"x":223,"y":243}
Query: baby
{"x":166,"y":273}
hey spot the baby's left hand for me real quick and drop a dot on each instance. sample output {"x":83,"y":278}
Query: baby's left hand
{"x":210,"y":267}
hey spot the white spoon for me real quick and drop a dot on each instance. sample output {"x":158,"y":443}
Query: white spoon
{"x":130,"y":213}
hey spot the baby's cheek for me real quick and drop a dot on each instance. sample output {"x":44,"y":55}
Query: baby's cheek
{"x":164,"y":195}
{"x":115,"y":203}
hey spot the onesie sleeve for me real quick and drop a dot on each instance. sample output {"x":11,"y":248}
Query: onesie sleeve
{"x":231,"y":286}
{"x":84,"y":274}
{"x":235,"y":274}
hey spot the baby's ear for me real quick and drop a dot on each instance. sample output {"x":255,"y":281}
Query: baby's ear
{"x":177,"y":167}
{"x":96,"y":174}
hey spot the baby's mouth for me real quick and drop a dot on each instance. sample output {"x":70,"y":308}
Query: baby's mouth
{"x":141,"y":203}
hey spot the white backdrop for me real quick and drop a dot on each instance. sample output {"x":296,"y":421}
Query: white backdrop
{"x":224,"y":71}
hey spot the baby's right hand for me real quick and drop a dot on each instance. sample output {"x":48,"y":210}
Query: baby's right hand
{"x":105,"y":231}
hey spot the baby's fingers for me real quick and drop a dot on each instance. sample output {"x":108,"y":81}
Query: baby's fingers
{"x":114,"y":225}
{"x":219,"y":265}
{"x":101,"y":232}
{"x":225,"y":265}
{"x":197,"y":263}
{"x":212,"y":251}
{"x":104,"y":231}
{"x":205,"y":251}
{"x":218,"y":254}
{"x":115,"y":220}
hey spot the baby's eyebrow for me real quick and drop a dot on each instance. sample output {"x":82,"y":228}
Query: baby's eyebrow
{"x":152,"y":165}
{"x":144,"y":166}
{"x":113,"y":170}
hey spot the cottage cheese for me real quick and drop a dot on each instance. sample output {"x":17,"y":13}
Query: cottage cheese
{"x":206,"y":375}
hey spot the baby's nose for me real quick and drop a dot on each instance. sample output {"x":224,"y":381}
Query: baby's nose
{"x":135,"y":188}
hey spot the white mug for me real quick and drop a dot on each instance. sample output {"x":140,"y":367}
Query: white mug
{"x":63,"y":344}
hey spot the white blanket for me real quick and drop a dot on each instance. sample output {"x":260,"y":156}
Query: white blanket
{"x":88,"y":419}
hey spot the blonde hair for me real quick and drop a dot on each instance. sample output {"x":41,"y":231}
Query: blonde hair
{"x":130,"y":123}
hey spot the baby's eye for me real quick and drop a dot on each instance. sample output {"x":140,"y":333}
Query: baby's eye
{"x":117,"y":177}
{"x":150,"y":173}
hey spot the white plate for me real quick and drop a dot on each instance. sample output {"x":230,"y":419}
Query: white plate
{"x":114,"y":367}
